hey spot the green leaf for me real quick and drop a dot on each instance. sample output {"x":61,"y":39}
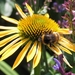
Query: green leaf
{"x":5,"y":68}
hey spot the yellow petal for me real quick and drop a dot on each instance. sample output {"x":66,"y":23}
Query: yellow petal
{"x":6,"y":40}
{"x":29,"y":9}
{"x":10,"y":19}
{"x":65,"y":60}
{"x":5,"y":27}
{"x":21,"y":55}
{"x":32,"y":52}
{"x":55,"y":49}
{"x":4,"y":33}
{"x":47,"y":15}
{"x":37,"y":57}
{"x":64,"y":31}
{"x":12,"y":50}
{"x":20,"y":11}
{"x":9,"y":45}
{"x":64,"y":49}
{"x":66,"y":43}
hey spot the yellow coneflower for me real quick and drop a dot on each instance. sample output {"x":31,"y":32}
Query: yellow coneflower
{"x":27,"y":32}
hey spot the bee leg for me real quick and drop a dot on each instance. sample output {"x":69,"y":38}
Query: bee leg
{"x":50,"y":32}
{"x":50,"y":44}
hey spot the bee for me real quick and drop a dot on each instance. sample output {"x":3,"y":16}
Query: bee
{"x":50,"y":38}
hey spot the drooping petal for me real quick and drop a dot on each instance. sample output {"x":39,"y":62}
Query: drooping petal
{"x":10,"y":20}
{"x":4,"y":33}
{"x":29,"y":9}
{"x":20,"y":11}
{"x":32,"y":52}
{"x":65,"y":60}
{"x":66,"y":43}
{"x":64,"y":31}
{"x":47,"y":15}
{"x":64,"y":49}
{"x":21,"y":55}
{"x":6,"y":40}
{"x":55,"y":49}
{"x":5,"y":27}
{"x":37,"y":57}
{"x":9,"y":45}
{"x":12,"y":50}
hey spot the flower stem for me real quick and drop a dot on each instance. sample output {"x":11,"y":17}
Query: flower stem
{"x":45,"y":58}
{"x":37,"y":70}
{"x":37,"y":6}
